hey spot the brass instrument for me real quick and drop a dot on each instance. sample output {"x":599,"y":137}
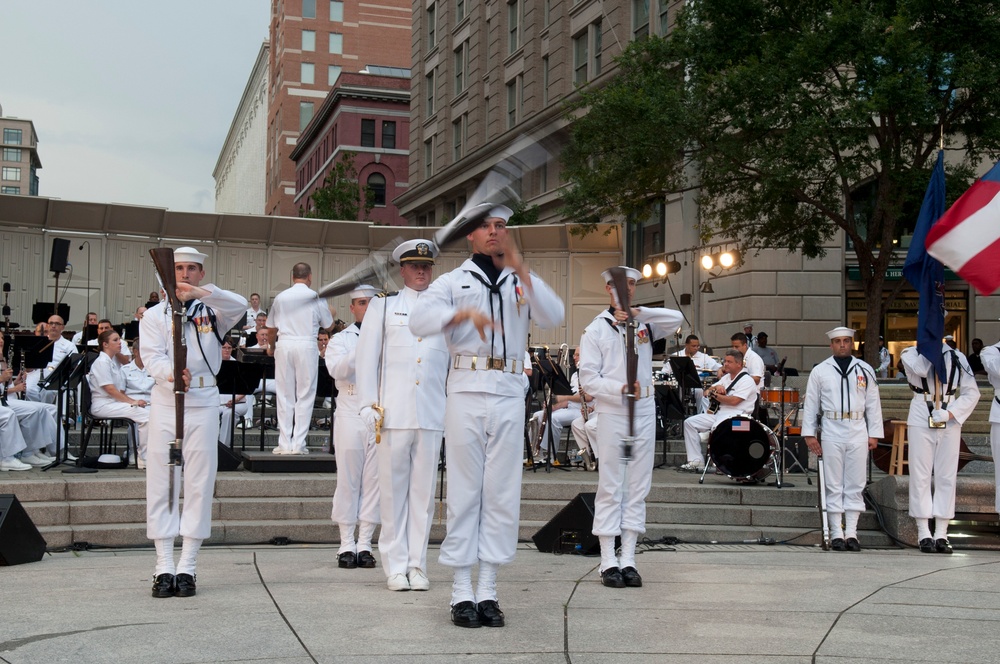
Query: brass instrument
{"x":584,"y":408}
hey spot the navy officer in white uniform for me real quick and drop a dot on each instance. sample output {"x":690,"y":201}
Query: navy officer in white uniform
{"x":211,"y":311}
{"x":404,"y":375}
{"x":484,"y":308}
{"x":620,"y":509}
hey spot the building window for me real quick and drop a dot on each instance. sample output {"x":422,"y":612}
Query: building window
{"x":367,"y":133}
{"x":10,"y":190}
{"x":336,"y":11}
{"x":336,"y":43}
{"x":308,"y":8}
{"x":587,"y":54}
{"x":332,"y":74}
{"x":12,"y":173}
{"x":459,"y":11}
{"x":580,"y":43}
{"x":458,"y":137}
{"x":513,"y":101}
{"x":429,"y":157}
{"x":308,"y":40}
{"x":429,"y":93}
{"x":376,"y":188}
{"x":546,"y":12}
{"x":461,"y":66}
{"x":595,"y":30}
{"x":640,"y":19}
{"x":12,"y":154}
{"x":431,"y":27}
{"x":388,"y":135}
{"x":664,"y":21}
{"x":514,"y":15}
{"x":11,"y":136}
{"x":545,"y":80}
{"x":307,"y":73}
{"x":305,"y":113}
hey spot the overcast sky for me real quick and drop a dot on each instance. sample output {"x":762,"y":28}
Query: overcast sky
{"x":131,"y":99}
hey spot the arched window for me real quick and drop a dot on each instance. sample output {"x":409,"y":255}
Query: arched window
{"x":376,"y":185}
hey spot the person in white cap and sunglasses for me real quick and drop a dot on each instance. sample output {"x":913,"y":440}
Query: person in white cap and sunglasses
{"x":356,"y":498}
{"x":404,"y":375}
{"x":938,"y":410}
{"x":842,"y":404}
{"x":484,"y":309}
{"x":620,"y":508}
{"x":211,"y":311}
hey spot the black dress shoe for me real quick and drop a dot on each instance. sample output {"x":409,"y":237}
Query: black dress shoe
{"x":490,"y":614}
{"x":163,"y":585}
{"x":612,"y":578}
{"x":927,"y":545}
{"x":853,"y":544}
{"x":838,"y":544}
{"x":631,"y":577}
{"x":943,"y":546}
{"x":366,"y":559}
{"x":185,"y":585}
{"x":347,"y":560}
{"x":464,"y":614}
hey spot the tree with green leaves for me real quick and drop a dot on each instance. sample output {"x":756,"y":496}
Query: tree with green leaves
{"x":794,"y":120}
{"x":340,"y":197}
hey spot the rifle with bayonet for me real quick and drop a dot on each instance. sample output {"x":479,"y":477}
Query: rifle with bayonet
{"x":163,"y":259}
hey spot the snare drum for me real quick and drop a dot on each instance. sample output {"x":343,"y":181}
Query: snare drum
{"x":774,"y":395}
{"x":743,"y":448}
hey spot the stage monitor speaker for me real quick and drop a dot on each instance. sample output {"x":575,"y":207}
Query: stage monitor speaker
{"x":20,"y":541}
{"x":569,"y":531}
{"x":60,"y":255}
{"x":796,"y":451}
{"x":229,"y":459}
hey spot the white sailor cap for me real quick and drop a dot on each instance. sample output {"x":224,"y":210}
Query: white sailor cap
{"x":109,"y":458}
{"x":838,"y":332}
{"x":189,"y":255}
{"x":362,"y":291}
{"x":500,"y":212}
{"x":630,"y":273}
{"x":747,"y":324}
{"x":948,"y":337}
{"x":415,"y":251}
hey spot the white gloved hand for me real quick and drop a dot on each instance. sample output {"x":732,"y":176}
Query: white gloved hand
{"x":371,"y":417}
{"x":940,"y":415}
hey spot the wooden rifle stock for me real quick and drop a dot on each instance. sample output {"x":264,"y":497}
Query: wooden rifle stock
{"x":620,"y":282}
{"x":163,"y":259}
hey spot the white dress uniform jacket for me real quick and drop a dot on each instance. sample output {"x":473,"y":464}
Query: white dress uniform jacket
{"x":990,"y":357}
{"x":33,"y":391}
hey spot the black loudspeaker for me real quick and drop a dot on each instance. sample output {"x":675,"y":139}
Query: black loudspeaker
{"x":229,"y":459}
{"x":796,"y":450}
{"x":569,"y":531}
{"x":20,"y":541}
{"x":60,"y":255}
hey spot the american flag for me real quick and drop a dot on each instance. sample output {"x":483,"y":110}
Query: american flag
{"x":741,"y":425}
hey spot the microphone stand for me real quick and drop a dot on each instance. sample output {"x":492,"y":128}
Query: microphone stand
{"x":783,"y":435}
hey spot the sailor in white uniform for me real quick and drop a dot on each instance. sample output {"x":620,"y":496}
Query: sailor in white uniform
{"x":842,"y":400}
{"x":210,"y":312}
{"x":356,"y":498}
{"x":107,"y":392}
{"x":484,"y":309}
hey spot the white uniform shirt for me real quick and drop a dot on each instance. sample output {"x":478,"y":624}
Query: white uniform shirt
{"x":602,"y":357}
{"x":340,"y":363}
{"x":702,"y":361}
{"x":60,"y":350}
{"x":960,"y":406}
{"x":104,"y":371}
{"x":157,"y":347}
{"x":459,"y":289}
{"x":298,"y":312}
{"x":138,"y":382}
{"x":990,"y":357}
{"x":414,"y":368}
{"x":744,"y":388}
{"x":828,"y":392}
{"x":754,"y":366}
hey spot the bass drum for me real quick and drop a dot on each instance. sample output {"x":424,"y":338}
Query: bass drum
{"x":743,"y":448}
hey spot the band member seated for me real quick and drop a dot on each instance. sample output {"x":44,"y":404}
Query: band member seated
{"x":842,"y":400}
{"x":243,"y":403}
{"x":37,"y":421}
{"x":702,"y":363}
{"x":734,"y":394}
{"x":107,"y":391}
{"x":565,"y":409}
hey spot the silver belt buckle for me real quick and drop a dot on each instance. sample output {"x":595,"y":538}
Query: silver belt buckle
{"x":935,"y":425}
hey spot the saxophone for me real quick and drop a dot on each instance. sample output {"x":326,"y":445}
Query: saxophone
{"x":584,"y":409}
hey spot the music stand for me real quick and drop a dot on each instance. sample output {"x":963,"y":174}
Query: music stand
{"x":325,"y":388}
{"x":65,"y":377}
{"x":688,"y":380}
{"x":36,"y":351}
{"x":555,"y":384}
{"x":238,"y":378}
{"x":259,"y":357}
{"x":89,"y":334}
{"x":40,"y":312}
{"x":131,"y":330}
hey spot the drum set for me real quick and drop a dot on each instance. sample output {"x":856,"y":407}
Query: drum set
{"x":747,"y":450}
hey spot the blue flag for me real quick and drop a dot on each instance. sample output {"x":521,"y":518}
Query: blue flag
{"x":926,"y":273}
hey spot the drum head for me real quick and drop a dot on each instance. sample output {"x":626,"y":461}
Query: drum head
{"x":742,"y":447}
